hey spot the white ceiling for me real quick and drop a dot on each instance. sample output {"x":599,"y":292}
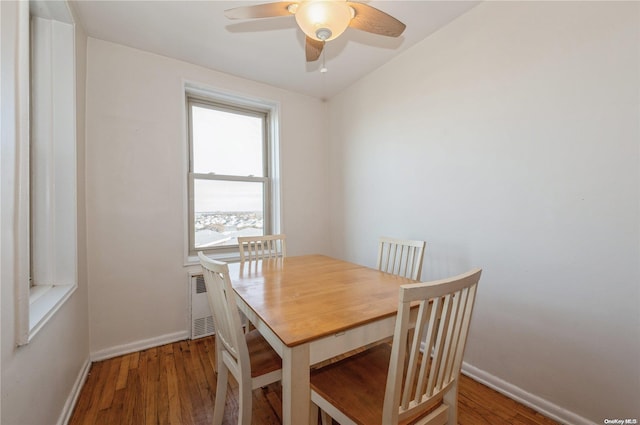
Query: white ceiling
{"x":266,"y":50}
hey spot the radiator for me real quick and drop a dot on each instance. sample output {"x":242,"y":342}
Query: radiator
{"x":201,"y":318}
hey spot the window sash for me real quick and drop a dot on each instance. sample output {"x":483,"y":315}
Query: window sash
{"x":266,"y":179}
{"x":235,"y":109}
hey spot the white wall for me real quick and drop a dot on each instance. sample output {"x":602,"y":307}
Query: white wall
{"x":136,"y":182}
{"x":39,"y":380}
{"x":509,"y":140}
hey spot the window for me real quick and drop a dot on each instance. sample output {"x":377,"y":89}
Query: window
{"x":47,"y":160}
{"x":232,"y":170}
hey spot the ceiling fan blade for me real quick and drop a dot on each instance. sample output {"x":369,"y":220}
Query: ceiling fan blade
{"x":370,"y":19}
{"x":267,"y":10}
{"x":313,"y":48}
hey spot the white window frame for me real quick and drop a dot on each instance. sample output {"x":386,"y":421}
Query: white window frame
{"x":47,"y":196}
{"x":272,"y":210}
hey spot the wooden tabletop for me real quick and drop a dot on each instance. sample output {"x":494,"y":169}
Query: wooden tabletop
{"x":308,"y":297}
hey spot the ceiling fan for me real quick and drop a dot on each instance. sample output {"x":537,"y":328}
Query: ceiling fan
{"x":324,"y":20}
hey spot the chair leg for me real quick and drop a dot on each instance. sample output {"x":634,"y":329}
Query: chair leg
{"x":245,"y":394}
{"x":451,"y":399}
{"x":244,"y":321}
{"x":326,"y":419}
{"x":314,"y":413}
{"x":221,"y":394}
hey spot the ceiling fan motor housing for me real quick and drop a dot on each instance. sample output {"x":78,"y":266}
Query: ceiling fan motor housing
{"x":323,"y":20}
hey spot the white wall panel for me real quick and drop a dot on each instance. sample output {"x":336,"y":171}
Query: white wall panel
{"x":38,"y":380}
{"x":509,"y":140}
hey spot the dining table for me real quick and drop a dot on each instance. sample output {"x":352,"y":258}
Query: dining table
{"x":312,"y":308}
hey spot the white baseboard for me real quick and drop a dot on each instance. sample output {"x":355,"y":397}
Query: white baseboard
{"x":538,"y":404}
{"x":70,"y":404}
{"x":120,"y":350}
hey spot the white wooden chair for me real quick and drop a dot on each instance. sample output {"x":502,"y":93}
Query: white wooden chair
{"x":401,"y":257}
{"x":248,"y":357}
{"x":395,"y":384}
{"x":259,"y":247}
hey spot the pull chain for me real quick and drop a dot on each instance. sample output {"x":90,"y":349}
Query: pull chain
{"x":323,"y":68}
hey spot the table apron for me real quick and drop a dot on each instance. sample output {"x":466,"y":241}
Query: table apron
{"x":342,"y":342}
{"x":333,"y":345}
{"x":351,"y":339}
{"x":273,"y":340}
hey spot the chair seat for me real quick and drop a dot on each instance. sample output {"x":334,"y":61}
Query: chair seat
{"x":353,"y":385}
{"x":262,"y":357}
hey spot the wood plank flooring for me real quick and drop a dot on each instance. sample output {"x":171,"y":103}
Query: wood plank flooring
{"x":175,"y":384}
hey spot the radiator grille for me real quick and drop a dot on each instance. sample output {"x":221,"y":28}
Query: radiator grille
{"x":201,"y":318}
{"x":202,"y":326}
{"x":200,"y":286}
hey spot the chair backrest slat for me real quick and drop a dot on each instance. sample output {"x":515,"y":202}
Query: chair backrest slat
{"x":401,"y":257}
{"x":260,"y":247}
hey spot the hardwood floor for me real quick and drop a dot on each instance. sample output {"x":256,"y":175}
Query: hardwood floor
{"x":175,"y":384}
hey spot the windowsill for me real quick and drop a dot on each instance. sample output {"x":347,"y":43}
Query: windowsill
{"x":44,"y":301}
{"x":227,"y":257}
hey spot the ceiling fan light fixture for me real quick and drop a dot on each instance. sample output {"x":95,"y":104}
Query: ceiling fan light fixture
{"x":323,"y":20}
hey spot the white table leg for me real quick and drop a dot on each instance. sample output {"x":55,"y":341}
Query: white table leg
{"x":296,"y":394}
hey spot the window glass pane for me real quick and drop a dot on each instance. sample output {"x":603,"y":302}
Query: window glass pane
{"x":227,"y":143}
{"x":225,"y":210}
